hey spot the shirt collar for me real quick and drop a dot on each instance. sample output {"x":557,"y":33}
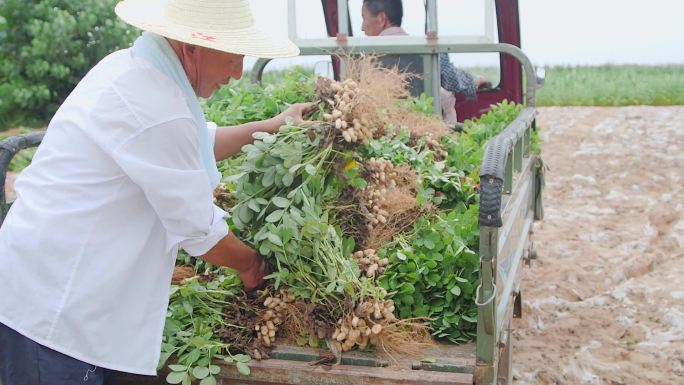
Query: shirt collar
{"x":392,"y":31}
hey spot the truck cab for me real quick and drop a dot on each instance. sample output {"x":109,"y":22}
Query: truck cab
{"x":499,"y":35}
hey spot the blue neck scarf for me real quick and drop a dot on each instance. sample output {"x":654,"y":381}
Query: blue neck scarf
{"x":155,"y":49}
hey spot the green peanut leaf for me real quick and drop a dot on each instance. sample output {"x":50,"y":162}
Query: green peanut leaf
{"x":274,"y":216}
{"x":200,"y":372}
{"x":259,"y":135}
{"x":280,"y":202}
{"x":275,"y":239}
{"x":241,"y":358}
{"x":211,"y":380}
{"x":456,"y":290}
{"x":245,"y":214}
{"x":310,"y":169}
{"x":176,"y":377}
{"x":243,"y":368}
{"x":269,"y":178}
{"x":193,"y":356}
{"x":288,"y":179}
{"x":252,"y":204}
{"x":162,"y":359}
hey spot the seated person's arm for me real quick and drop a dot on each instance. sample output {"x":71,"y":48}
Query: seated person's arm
{"x":456,"y":80}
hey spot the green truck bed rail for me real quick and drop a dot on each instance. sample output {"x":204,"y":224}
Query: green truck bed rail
{"x":8,"y":149}
{"x":511,"y":181}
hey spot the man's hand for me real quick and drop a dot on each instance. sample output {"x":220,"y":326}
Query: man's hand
{"x":229,"y":140}
{"x":297,"y":112}
{"x":482,"y":82}
{"x":253,"y":277}
{"x":231,"y":252}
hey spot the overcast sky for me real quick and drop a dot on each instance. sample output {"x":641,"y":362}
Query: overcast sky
{"x":574,"y":32}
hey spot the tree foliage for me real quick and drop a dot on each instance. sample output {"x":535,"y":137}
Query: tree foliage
{"x":46,"y":47}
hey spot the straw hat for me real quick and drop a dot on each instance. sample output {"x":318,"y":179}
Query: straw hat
{"x":224,"y":25}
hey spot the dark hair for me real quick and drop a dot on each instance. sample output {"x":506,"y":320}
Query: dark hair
{"x":392,"y":8}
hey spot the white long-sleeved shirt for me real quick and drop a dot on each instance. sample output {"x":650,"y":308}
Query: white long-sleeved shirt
{"x":88,"y":249}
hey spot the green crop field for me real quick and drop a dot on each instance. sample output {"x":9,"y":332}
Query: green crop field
{"x":613,"y":86}
{"x":608,"y":85}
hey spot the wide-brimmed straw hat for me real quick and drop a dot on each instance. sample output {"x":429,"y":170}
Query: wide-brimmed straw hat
{"x":224,"y":25}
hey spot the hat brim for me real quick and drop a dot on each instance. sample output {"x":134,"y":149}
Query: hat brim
{"x":148,"y":16}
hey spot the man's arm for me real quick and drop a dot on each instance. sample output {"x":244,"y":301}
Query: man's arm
{"x":231,"y":252}
{"x":229,"y":140}
{"x":456,"y":80}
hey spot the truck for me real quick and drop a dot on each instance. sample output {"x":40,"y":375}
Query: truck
{"x":511,"y":177}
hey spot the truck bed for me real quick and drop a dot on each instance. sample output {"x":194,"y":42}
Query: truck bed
{"x":441,"y":364}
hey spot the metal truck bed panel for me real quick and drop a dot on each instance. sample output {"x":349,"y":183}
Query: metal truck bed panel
{"x":441,"y":364}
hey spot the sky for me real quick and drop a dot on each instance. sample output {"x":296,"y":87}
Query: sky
{"x":553,"y":32}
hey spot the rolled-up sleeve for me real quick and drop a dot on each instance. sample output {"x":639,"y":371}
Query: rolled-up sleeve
{"x":212,"y":127}
{"x":164,"y":162}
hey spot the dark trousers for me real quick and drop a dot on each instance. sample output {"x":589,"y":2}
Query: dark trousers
{"x":25,"y":362}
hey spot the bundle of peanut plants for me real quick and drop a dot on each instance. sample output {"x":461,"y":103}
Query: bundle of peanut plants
{"x":367,"y":215}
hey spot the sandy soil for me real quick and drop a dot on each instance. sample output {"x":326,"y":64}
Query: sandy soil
{"x":604,"y":304}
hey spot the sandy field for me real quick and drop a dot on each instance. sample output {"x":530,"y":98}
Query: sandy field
{"x":604,"y":303}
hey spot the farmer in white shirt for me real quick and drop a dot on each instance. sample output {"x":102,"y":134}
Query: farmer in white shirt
{"x":123,"y":178}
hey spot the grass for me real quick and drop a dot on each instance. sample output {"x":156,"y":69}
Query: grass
{"x":6,"y":133}
{"x":491,"y":73}
{"x":608,"y":85}
{"x":612,"y":85}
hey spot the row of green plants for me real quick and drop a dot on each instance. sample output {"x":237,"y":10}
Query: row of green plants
{"x":613,"y":85}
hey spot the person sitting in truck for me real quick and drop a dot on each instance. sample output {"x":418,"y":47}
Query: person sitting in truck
{"x":384,"y":17}
{"x":123,"y":178}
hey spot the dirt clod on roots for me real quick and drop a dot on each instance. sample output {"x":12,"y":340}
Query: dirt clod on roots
{"x":181,"y":273}
{"x":224,"y":198}
{"x":373,"y":322}
{"x":241,"y":311}
{"x":390,"y":202}
{"x":405,"y":337}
